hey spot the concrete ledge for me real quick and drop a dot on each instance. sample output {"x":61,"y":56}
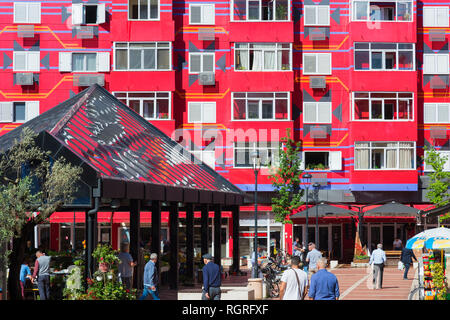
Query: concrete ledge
{"x":359,"y":265}
{"x":228,"y":293}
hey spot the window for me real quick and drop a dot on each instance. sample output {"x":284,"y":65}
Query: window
{"x":27,"y":12}
{"x":443,"y":154}
{"x":20,"y":111}
{"x":260,"y":10}
{"x":436,"y":113}
{"x":86,"y":13}
{"x":84,"y":62}
{"x":268,"y":152}
{"x":26,"y":61}
{"x":384,"y":56}
{"x":202,"y":112}
{"x":317,"y":63}
{"x":383,"y":106}
{"x":143,"y":10}
{"x":322,"y":160}
{"x":384,"y":155}
{"x":144,"y":56}
{"x":201,"y":62}
{"x":435,"y":16}
{"x":317,"y":15}
{"x":381,"y":10}
{"x":201,"y":13}
{"x":260,"y":106}
{"x":263,"y":56}
{"x":207,"y":156}
{"x":316,"y":112}
{"x":150,"y":105}
{"x":436,"y":63}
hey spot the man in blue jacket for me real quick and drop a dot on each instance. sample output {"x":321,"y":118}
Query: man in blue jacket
{"x":150,"y":279}
{"x":211,"y":279}
{"x":406,"y":258}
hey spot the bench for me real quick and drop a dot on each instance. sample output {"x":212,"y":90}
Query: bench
{"x":392,"y":257}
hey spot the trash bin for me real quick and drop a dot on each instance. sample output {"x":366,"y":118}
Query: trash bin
{"x":257,"y":285}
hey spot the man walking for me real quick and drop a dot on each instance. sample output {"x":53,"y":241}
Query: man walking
{"x":312,"y":257}
{"x":293,"y":282}
{"x":324,"y":284}
{"x":151,"y":279}
{"x":378,"y":259}
{"x":406,"y":259}
{"x":42,"y":272}
{"x":211,"y":279}
{"x":126,"y":266}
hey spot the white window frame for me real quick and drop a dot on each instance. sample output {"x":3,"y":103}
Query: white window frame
{"x":254,"y":146}
{"x":384,"y":51}
{"x":370,"y":99}
{"x":436,"y":65}
{"x":31,"y":111}
{"x":102,"y":61}
{"x":141,"y":99}
{"x":316,"y":13}
{"x":28,"y":18}
{"x":446,"y":167}
{"x":370,"y":148}
{"x":435,"y":107}
{"x":202,"y":54}
{"x":353,"y":18}
{"x":277,"y":47}
{"x":317,"y":63}
{"x":101,"y":13}
{"x":316,"y":107}
{"x":332,"y":156}
{"x":258,"y":20}
{"x":201,"y":154}
{"x":274,"y":98}
{"x":156,"y":55}
{"x":202,"y":105}
{"x":148,"y":12}
{"x":28,"y":55}
{"x":202,"y":8}
{"x":435,"y":9}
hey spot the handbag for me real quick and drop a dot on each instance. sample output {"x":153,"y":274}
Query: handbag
{"x":298,"y":284}
{"x":400,"y":265}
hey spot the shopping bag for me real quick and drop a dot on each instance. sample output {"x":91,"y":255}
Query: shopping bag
{"x":400,"y":266}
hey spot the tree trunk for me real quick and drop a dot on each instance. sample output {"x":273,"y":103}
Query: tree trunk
{"x":16,"y":259}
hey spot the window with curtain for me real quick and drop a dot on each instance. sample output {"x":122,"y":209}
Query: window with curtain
{"x":268,"y":152}
{"x":384,"y":155}
{"x":436,"y":113}
{"x":142,"y":56}
{"x":143,"y":10}
{"x":263,"y":56}
{"x":384,"y":56}
{"x":317,"y":63}
{"x":260,"y":10}
{"x":435,"y":16}
{"x":317,"y":15}
{"x":201,"y":62}
{"x":383,"y":106}
{"x":84,"y":62}
{"x":150,"y":105}
{"x":382,"y":11}
{"x":316,"y":112}
{"x":260,"y":106}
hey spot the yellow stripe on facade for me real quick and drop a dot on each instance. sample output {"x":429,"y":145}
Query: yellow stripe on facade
{"x":16,"y":95}
{"x":196,"y":29}
{"x":202,"y":95}
{"x":311,"y":47}
{"x":324,"y":143}
{"x":305,"y":79}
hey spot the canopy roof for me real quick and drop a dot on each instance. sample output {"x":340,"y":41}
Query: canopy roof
{"x":324,"y":210}
{"x":434,"y":212}
{"x":132,"y":158}
{"x":392,"y":208}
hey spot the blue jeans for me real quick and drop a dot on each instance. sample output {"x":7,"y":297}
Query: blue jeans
{"x":405,"y":274}
{"x":148,"y":291}
{"x":44,"y":287}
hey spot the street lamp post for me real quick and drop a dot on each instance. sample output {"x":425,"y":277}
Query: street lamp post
{"x":307,"y":177}
{"x":256,"y":166}
{"x":316,"y":186}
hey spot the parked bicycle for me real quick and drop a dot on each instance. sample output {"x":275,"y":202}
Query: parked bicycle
{"x":272,"y":272}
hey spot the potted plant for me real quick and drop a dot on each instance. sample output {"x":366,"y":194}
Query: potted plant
{"x":105,"y":256}
{"x":361,"y":258}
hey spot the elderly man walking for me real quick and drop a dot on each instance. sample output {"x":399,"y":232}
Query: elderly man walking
{"x":211,"y":279}
{"x":312,"y":257}
{"x":324,"y":284}
{"x":151,"y":279}
{"x":378,"y":259}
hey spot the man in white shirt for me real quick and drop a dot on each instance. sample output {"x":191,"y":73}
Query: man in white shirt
{"x":378,"y":259}
{"x":293,"y":282}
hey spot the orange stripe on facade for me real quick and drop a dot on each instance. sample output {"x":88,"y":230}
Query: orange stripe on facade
{"x":184,"y":29}
{"x":312,"y":47}
{"x":197,"y":95}
{"x":46,"y":28}
{"x":35,"y":95}
{"x":325,"y":144}
{"x":304,"y":79}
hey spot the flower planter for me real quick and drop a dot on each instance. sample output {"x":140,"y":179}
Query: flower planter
{"x":361,"y":260}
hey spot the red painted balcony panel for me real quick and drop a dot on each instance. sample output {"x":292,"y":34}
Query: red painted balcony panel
{"x":142,"y":81}
{"x":261,"y":81}
{"x":125,"y":30}
{"x":376,"y":31}
{"x":384,"y":177}
{"x":166,"y":126}
{"x":392,"y":81}
{"x":261,"y":31}
{"x":383,"y":131}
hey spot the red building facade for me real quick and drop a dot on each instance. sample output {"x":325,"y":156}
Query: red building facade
{"x":362,"y":84}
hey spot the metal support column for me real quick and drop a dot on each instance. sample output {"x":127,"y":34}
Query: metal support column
{"x":190,"y":242}
{"x":204,"y":229}
{"x":235,"y":217}
{"x":173,"y":259}
{"x":135,"y":217}
{"x":217,"y":234}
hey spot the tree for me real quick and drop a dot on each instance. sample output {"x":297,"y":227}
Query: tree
{"x":439,"y":179}
{"x":286,"y":180}
{"x":32,"y":187}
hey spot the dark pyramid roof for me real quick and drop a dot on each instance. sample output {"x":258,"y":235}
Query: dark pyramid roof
{"x":120,"y":144}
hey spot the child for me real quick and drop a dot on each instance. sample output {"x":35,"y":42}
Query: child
{"x":25,"y":272}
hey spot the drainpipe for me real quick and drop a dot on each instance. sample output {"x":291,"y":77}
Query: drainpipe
{"x":91,"y":225}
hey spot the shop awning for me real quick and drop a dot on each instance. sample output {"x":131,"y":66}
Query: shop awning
{"x":436,"y":211}
{"x":392,"y":209}
{"x":324,"y":210}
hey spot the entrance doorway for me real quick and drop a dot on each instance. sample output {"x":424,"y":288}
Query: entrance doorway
{"x":388,"y":237}
{"x":375,"y":237}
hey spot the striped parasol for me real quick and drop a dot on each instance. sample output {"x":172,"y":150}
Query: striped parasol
{"x":436,"y":238}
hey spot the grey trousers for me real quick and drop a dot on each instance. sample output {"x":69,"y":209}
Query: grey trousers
{"x":126,"y":281}
{"x":214,"y":294}
{"x":378,"y":275}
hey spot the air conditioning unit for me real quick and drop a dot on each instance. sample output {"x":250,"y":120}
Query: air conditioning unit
{"x":85,"y":32}
{"x":437,"y":83}
{"x":318,"y":132}
{"x":206,"y":34}
{"x":87,"y":80}
{"x":25,"y":31}
{"x":24,"y":79}
{"x":317,"y":34}
{"x":436,"y":35}
{"x":206,"y":78}
{"x":320,"y":178}
{"x":317,"y":82}
{"x":438,"y":132}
